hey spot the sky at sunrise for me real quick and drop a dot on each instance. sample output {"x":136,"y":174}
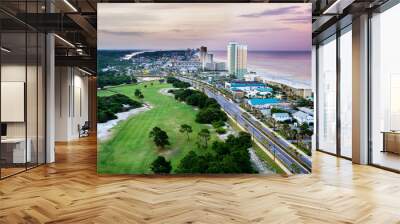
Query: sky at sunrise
{"x":166,"y":26}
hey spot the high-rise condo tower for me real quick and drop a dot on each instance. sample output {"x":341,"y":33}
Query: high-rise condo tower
{"x":237,"y":59}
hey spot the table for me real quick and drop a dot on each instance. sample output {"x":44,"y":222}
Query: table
{"x":391,"y":141}
{"x":13,"y":150}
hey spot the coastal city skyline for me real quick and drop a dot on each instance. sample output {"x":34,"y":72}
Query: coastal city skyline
{"x":174,"y":27}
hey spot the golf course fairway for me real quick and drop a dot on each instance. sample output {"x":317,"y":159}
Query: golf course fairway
{"x":130,"y":150}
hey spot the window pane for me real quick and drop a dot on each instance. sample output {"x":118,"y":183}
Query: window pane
{"x":327,"y":96}
{"x":346,"y":94}
{"x":385,"y":92}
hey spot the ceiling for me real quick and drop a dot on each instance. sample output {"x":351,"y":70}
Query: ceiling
{"x":74,"y":21}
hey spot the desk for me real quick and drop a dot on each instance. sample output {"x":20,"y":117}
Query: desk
{"x":14,"y":150}
{"x":391,"y":141}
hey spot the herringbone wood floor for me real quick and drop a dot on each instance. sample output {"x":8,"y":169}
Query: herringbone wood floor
{"x":70,"y":191}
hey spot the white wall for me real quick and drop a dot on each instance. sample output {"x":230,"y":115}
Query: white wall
{"x":33,"y":126}
{"x":71,"y":102}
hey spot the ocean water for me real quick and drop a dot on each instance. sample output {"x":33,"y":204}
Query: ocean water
{"x":289,"y":67}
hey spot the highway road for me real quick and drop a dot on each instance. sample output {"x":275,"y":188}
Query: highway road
{"x":263,"y":136}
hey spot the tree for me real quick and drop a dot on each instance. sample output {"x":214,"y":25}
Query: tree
{"x":137,"y":92}
{"x":141,"y":96}
{"x":204,"y":134}
{"x":186,"y":128}
{"x":193,"y":163}
{"x":286,"y":129}
{"x":304,"y":103}
{"x":294,"y":135}
{"x":159,"y":136}
{"x":231,"y":156}
{"x":305,"y":130}
{"x":221,"y":148}
{"x":161,"y":165}
{"x":210,"y":114}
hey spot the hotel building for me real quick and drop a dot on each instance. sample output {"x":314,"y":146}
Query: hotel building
{"x":203,"y":56}
{"x":237,"y":59}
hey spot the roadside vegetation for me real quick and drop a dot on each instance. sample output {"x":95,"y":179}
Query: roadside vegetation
{"x":230,"y":156}
{"x":113,"y":79}
{"x":269,"y":162}
{"x":176,"y":83}
{"x":210,"y":111}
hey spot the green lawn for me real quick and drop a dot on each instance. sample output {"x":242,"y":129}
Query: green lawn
{"x":130,"y":150}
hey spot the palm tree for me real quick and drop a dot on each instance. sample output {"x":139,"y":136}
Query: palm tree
{"x":294,"y":135}
{"x":205,"y":135}
{"x":286,"y":129}
{"x":186,"y":128}
{"x":273,"y":122}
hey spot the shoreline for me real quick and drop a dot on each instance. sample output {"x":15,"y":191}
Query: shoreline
{"x":284,"y":79}
{"x":273,"y":76}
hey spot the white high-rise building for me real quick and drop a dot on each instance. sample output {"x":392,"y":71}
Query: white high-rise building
{"x":237,"y":59}
{"x":209,"y":63}
{"x":203,"y":56}
{"x":210,"y":58}
{"x":220,"y":66}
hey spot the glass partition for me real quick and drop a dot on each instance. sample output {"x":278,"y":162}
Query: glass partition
{"x":22,"y":77}
{"x":13,"y":95}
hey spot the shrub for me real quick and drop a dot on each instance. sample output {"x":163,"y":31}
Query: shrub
{"x":108,"y":106}
{"x":177,"y":83}
{"x":231,"y":156}
{"x":218,"y":124}
{"x":210,"y":114}
{"x":161,"y":165}
{"x":220,"y":131}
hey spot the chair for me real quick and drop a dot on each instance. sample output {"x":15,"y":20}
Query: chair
{"x":84,"y":130}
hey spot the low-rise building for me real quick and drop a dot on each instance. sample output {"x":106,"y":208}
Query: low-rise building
{"x":281,"y":117}
{"x":220,"y":66}
{"x":261,"y":103}
{"x":251,"y":76}
{"x":237,"y":93}
{"x":305,"y":93}
{"x":266,"y":112}
{"x":307,"y":110}
{"x":259,"y":92}
{"x":209,"y":66}
{"x":302,"y":117}
{"x":244,"y":85}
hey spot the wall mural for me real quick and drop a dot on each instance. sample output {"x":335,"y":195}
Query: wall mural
{"x":204,"y":88}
